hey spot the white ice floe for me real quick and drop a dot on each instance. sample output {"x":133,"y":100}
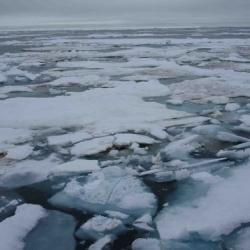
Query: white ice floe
{"x":235,"y":154}
{"x":144,"y":223}
{"x":93,"y":146}
{"x":17,"y":72}
{"x":245,"y":119}
{"x":70,"y":138}
{"x":98,"y":145}
{"x":13,"y":136}
{"x":232,"y":107}
{"x":15,"y":228}
{"x":95,"y":110}
{"x":2,"y":78}
{"x":180,"y":149}
{"x":212,"y":89}
{"x":87,"y":80}
{"x":9,"y":200}
{"x":128,"y":139}
{"x":19,"y":152}
{"x":28,"y":172}
{"x":109,"y":189}
{"x":221,"y":210}
{"x":99,"y":226}
{"x":219,"y":133}
{"x":5,"y":90}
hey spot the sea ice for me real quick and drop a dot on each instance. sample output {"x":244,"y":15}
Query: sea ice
{"x":232,"y":107}
{"x":99,"y":226}
{"x":109,"y":189}
{"x":221,"y":210}
{"x":95,"y":110}
{"x":102,"y":243}
{"x":9,"y":200}
{"x":93,"y":146}
{"x":15,"y":228}
{"x":19,"y":152}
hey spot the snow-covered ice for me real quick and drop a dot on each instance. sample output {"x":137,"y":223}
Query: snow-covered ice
{"x":99,"y":226}
{"x":110,"y":189}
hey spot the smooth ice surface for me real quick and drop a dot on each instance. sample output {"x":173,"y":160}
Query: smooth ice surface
{"x":110,"y":189}
{"x":224,"y":208}
{"x":19,"y":152}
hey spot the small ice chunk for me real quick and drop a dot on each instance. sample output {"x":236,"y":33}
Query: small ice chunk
{"x":218,"y":99}
{"x":9,"y":200}
{"x":144,"y":223}
{"x":99,"y":226}
{"x":2,"y":78}
{"x":128,"y":139}
{"x":27,"y":172}
{"x":12,"y":135}
{"x":70,"y":138}
{"x":232,"y":107}
{"x":223,"y":208}
{"x":235,"y":154}
{"x":230,"y":137}
{"x":118,"y":215}
{"x":102,"y":243}
{"x":147,"y":244}
{"x":245,"y":119}
{"x":175,"y":101}
{"x":94,"y":146}
{"x":180,"y":149}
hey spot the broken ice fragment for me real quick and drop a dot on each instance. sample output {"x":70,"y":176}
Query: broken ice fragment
{"x":99,"y":226}
{"x":111,"y":188}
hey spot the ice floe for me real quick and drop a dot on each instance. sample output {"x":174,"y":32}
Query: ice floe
{"x":223,"y":209}
{"x":110,"y":189}
{"x":99,"y":226}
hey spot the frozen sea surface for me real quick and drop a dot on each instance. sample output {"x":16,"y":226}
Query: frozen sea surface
{"x":125,"y":139}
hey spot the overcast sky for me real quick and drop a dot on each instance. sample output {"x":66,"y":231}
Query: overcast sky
{"x":138,"y":12}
